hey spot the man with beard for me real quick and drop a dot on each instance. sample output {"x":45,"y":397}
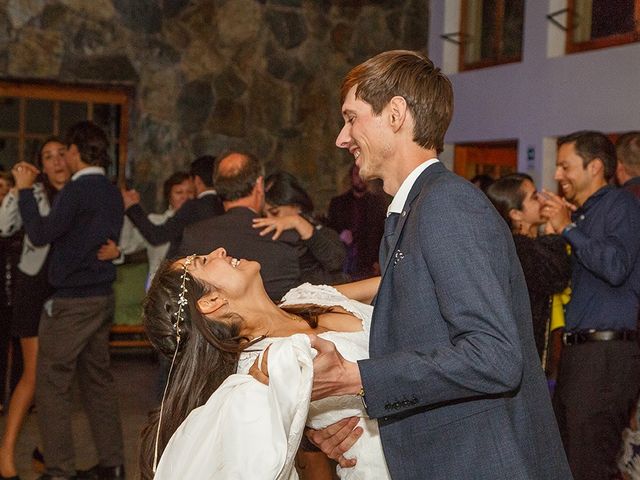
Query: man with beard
{"x":599,"y":375}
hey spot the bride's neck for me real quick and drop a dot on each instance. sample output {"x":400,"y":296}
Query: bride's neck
{"x":272,"y":321}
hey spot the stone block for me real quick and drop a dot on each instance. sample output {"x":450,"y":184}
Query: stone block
{"x":20,"y":12}
{"x":271,"y":103}
{"x":201,"y":59}
{"x":229,"y":84}
{"x":103,"y":68}
{"x":159,"y":93}
{"x":238,"y":22}
{"x":288,"y":28}
{"x":144,"y":16}
{"x":93,"y":38}
{"x":171,"y":8}
{"x":5,"y":30}
{"x":194,"y":105}
{"x":206,"y":143}
{"x":37,"y":54}
{"x":228,"y":118}
{"x":102,"y":10}
{"x":416,"y":25}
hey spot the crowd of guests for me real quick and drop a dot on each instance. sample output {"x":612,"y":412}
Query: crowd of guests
{"x":59,"y":257}
{"x":64,"y":225}
{"x":588,"y":348}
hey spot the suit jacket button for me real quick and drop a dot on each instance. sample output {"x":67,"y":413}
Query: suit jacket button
{"x":396,"y":405}
{"x":387,"y":406}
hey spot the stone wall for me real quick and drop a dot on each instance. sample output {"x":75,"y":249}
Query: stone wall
{"x":261,"y":75}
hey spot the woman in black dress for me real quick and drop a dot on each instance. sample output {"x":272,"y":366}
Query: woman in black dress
{"x":544,"y":258}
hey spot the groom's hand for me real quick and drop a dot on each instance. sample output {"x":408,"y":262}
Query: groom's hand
{"x":337,"y":439}
{"x":261,"y":371}
{"x":332,"y":374}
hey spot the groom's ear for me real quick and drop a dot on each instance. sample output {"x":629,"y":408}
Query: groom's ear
{"x":210,"y":303}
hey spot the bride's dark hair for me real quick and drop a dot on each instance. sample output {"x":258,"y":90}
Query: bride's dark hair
{"x":207,"y":354}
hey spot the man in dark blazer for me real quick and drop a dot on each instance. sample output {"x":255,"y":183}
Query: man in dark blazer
{"x":239,"y":179}
{"x":207,"y":204}
{"x":453,"y":376}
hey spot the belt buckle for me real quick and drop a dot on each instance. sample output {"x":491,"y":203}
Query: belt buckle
{"x":567,"y":337}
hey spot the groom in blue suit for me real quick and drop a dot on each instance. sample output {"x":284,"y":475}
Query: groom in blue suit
{"x":453,"y":376}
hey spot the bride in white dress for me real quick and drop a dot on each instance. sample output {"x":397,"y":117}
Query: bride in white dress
{"x":247,"y":430}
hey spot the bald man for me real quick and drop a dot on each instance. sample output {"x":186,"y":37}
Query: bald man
{"x":239,"y":180}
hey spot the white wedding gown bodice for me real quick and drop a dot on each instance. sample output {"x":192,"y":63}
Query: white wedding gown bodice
{"x":251,"y":431}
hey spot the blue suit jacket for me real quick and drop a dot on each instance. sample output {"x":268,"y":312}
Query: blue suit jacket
{"x":454,"y":377}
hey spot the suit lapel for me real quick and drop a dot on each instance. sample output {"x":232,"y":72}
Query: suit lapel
{"x":431,"y":171}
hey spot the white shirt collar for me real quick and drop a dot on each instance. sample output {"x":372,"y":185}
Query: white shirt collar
{"x":400,"y":198}
{"x":206,"y":192}
{"x":88,"y":171}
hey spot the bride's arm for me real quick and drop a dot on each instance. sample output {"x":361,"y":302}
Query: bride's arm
{"x":362,"y":290}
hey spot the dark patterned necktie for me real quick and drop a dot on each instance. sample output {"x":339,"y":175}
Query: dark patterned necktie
{"x":390,"y":225}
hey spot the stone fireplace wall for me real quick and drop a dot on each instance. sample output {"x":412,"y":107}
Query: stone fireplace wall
{"x":208,"y":75}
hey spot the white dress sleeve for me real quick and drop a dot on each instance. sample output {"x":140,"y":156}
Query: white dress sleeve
{"x":247,"y":430}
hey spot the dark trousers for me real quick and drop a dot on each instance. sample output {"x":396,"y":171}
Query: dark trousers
{"x":598,"y":383}
{"x":74,"y":343}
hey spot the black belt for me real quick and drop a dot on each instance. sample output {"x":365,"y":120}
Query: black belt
{"x":583,"y":336}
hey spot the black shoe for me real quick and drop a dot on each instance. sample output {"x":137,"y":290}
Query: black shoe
{"x":37,"y":460}
{"x":98,"y":472}
{"x":37,"y":455}
{"x":15,"y":477}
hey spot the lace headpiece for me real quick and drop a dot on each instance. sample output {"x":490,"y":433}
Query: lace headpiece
{"x":177,"y":325}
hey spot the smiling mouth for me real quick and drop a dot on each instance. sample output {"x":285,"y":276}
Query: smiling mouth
{"x":235,"y":262}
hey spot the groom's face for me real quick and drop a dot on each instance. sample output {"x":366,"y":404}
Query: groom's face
{"x":367,"y":136}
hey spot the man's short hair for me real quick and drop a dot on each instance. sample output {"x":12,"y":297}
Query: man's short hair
{"x":203,"y":167}
{"x":590,"y":145}
{"x":235,"y":183}
{"x":411,"y":75}
{"x":628,"y":150}
{"x":91,"y":141}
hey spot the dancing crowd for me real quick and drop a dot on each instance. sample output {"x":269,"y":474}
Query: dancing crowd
{"x":439,"y":329}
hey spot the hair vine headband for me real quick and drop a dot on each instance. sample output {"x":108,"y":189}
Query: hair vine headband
{"x":182,"y":302}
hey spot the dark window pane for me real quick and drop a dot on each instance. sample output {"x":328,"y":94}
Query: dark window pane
{"x":107,"y":116}
{"x":488,"y":47}
{"x":39,"y":116}
{"x":8,"y":152}
{"x":493,"y":30}
{"x":9,"y":114}
{"x":70,"y":113}
{"x":112,"y":170}
{"x":31,"y":149}
{"x":611,"y":17}
{"x":512,"y":28}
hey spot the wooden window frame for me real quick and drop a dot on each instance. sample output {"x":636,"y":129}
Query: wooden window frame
{"x":34,"y":90}
{"x":598,"y":43}
{"x":497,"y":41}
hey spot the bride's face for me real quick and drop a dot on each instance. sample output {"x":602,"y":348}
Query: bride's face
{"x":226,"y":274}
